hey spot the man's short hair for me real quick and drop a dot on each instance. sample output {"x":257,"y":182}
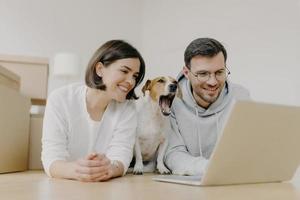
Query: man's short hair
{"x":203,"y":47}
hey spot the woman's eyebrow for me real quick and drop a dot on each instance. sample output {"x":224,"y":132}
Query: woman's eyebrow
{"x":129,"y":69}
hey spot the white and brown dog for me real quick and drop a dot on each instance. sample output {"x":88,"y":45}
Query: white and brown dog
{"x":153,"y":124}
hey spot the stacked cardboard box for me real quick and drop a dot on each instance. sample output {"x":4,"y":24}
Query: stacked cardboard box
{"x":35,"y":144}
{"x":30,"y":76}
{"x":33,"y":72}
{"x":14,"y":124}
{"x":9,"y":79}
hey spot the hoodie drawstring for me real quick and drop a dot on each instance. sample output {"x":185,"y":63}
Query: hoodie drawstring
{"x":198,"y":133}
{"x":217,"y":123}
{"x":197,"y":129}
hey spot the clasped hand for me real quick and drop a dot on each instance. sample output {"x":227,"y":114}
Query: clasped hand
{"x":94,"y":167}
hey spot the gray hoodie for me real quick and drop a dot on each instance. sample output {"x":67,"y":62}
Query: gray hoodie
{"x":195,"y":129}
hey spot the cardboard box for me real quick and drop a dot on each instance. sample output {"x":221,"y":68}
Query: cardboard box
{"x":33,"y":72}
{"x":35,"y":144}
{"x":9,"y":79}
{"x":14,"y":130}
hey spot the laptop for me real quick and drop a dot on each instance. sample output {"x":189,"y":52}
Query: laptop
{"x":260,"y":143}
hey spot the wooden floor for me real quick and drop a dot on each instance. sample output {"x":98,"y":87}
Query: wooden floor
{"x":33,"y":185}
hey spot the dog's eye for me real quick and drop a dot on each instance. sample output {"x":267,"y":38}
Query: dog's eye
{"x":161,"y":80}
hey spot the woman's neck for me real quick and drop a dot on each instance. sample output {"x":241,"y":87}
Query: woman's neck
{"x":96,"y":103}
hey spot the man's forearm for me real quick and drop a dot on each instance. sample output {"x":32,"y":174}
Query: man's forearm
{"x":184,"y":164}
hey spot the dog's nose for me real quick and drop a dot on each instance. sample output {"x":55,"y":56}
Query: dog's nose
{"x":172,"y":87}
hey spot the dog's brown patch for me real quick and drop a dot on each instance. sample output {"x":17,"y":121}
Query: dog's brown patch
{"x":155,"y":87}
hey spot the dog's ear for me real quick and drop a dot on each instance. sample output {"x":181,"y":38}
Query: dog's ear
{"x":146,"y":86}
{"x":179,"y":92}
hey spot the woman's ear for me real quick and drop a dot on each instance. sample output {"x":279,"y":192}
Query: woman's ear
{"x":99,"y":67}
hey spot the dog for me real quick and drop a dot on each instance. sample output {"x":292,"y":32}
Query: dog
{"x":153,"y":109}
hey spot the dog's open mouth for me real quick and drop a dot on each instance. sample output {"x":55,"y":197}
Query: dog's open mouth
{"x":165,"y":103}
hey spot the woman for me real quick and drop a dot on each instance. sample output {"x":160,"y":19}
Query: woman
{"x":89,"y":130}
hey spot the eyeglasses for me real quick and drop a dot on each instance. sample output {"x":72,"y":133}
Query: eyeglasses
{"x":204,"y":76}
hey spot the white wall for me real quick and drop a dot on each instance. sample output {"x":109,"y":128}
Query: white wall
{"x":261,"y":36}
{"x":45,"y":27}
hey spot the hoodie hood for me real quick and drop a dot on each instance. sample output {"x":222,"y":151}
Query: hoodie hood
{"x":188,"y":99}
{"x":195,"y":130}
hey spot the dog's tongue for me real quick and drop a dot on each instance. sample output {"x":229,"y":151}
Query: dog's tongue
{"x":165,"y":106}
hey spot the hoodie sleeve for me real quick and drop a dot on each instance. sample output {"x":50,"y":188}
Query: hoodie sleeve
{"x":241,"y":93}
{"x":177,"y":157}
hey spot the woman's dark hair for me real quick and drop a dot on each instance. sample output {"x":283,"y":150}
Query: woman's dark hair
{"x":203,"y":47}
{"x":108,"y":53}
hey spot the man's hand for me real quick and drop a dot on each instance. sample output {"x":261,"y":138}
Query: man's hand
{"x":197,"y":167}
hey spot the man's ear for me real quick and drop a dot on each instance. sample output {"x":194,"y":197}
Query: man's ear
{"x":99,"y":67}
{"x":185,"y":71}
{"x":146,"y":86}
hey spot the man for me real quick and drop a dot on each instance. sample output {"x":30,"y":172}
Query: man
{"x":198,"y":118}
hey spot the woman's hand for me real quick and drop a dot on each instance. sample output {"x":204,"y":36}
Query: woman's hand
{"x":94,"y":167}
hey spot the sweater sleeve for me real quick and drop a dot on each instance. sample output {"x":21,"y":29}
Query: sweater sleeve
{"x":121,"y":146}
{"x":54,"y":139}
{"x":177,"y":157}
